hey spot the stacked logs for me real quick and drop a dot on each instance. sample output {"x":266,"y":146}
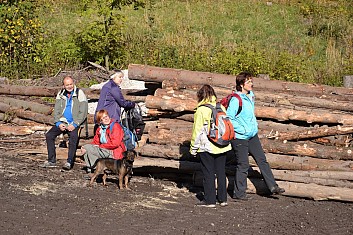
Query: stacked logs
{"x":305,"y":129}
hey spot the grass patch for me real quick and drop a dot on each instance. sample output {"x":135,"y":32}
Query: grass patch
{"x":301,"y":41}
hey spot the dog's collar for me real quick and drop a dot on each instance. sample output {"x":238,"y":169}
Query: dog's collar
{"x":128,"y":163}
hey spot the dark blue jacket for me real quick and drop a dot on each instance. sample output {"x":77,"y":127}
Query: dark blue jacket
{"x":111,"y":99}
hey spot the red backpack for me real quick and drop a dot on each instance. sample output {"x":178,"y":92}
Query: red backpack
{"x":225,"y":101}
{"x":221,"y":129}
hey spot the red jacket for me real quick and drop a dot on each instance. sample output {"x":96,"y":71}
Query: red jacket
{"x":114,"y":140}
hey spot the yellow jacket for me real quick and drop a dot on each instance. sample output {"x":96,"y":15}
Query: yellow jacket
{"x":199,"y":139}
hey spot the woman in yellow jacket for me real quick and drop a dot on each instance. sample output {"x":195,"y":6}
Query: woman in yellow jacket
{"x":213,"y":158}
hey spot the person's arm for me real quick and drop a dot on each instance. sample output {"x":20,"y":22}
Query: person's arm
{"x":197,"y":130}
{"x":58,"y":109}
{"x":82,"y":108}
{"x":119,"y":98}
{"x":115,"y":138}
{"x":101,"y":101}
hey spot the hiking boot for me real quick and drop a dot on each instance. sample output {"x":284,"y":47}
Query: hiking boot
{"x":223,"y":204}
{"x":245,"y":198}
{"x":277,"y":190}
{"x":67,"y":166}
{"x":204,"y":204}
{"x":48,"y":165}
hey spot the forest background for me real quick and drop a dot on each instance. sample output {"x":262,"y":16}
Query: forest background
{"x":307,"y":41}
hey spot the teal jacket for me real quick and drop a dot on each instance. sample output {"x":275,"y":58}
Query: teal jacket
{"x":199,"y":139}
{"x":245,"y":123}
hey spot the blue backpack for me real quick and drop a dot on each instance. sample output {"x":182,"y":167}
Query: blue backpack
{"x":129,"y":138}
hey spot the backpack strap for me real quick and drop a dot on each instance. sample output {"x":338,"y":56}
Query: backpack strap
{"x":213,"y":108}
{"x":240,"y":102}
{"x":111,"y":126}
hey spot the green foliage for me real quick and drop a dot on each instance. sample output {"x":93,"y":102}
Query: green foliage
{"x":20,"y":36}
{"x":301,"y":41}
{"x":228,"y":37}
{"x":87,"y":83}
{"x":327,"y":19}
{"x":102,"y":38}
{"x":50,"y":100}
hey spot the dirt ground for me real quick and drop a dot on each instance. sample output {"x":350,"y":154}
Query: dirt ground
{"x":51,"y":201}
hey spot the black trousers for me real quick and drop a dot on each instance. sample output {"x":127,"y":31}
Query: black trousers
{"x":50,"y":137}
{"x":242,"y":149}
{"x":212,"y":166}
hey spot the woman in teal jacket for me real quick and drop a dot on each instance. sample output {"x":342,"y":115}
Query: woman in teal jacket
{"x":213,"y":158}
{"x":247,"y":141}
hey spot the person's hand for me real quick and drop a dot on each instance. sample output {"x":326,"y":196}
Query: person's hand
{"x":193,"y":153}
{"x":62,"y":127}
{"x":83,"y":151}
{"x":70,"y":127}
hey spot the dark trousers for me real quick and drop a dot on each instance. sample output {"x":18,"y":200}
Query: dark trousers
{"x":242,"y":149}
{"x":212,"y":166}
{"x":50,"y":137}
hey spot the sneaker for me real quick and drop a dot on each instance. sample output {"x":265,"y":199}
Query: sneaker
{"x":223,"y":204}
{"x":67,"y":166}
{"x":204,"y":204}
{"x":48,"y":164}
{"x":277,"y":190}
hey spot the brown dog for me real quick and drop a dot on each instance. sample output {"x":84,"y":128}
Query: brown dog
{"x":122,"y":168}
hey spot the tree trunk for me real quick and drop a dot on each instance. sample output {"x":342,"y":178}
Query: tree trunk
{"x":37,"y":117}
{"x":21,"y":122}
{"x":280,"y":114}
{"x":169,"y":137}
{"x":294,"y":189}
{"x":164,"y":151}
{"x":7,"y":130}
{"x":306,"y":148}
{"x":311,"y":133}
{"x":183,"y":166}
{"x":150,"y":73}
{"x":308,"y":177}
{"x":29,"y":90}
{"x":289,"y":162}
{"x":278,"y":99}
{"x":309,"y":116}
{"x":28,"y":105}
{"x":170,"y":103}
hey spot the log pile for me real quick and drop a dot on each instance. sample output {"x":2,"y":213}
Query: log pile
{"x":305,"y":129}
